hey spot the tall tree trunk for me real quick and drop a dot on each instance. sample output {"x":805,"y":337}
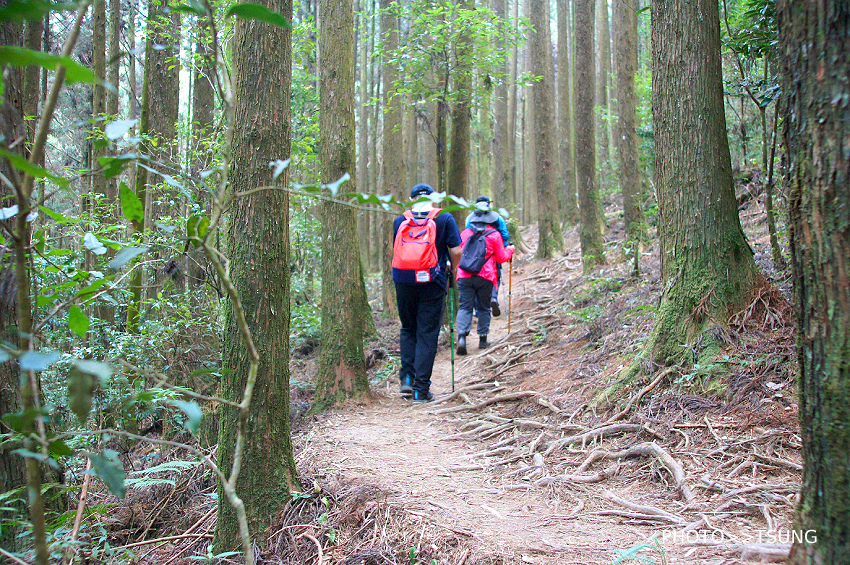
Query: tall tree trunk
{"x":363,"y":128}
{"x":410,"y":128}
{"x":513,"y":94}
{"x":706,"y":263}
{"x":603,"y":68}
{"x":590,"y":233}
{"x":392,"y":169}
{"x":112,"y":77}
{"x":99,"y":101}
{"x":459,"y":161}
{"x":259,"y":247}
{"x":566,"y":186}
{"x":550,"y":238}
{"x":625,"y":52}
{"x":342,"y":366}
{"x":499,"y":147}
{"x":814,"y":68}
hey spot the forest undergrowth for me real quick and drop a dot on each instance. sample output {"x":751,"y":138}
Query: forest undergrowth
{"x":672,"y":454}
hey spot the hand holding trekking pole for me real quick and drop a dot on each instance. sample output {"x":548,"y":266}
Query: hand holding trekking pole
{"x":510,"y":289}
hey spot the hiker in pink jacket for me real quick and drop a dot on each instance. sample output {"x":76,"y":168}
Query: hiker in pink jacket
{"x":476,"y":282}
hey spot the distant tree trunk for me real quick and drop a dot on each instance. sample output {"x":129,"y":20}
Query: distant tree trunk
{"x":392,"y":170}
{"x":342,"y":366}
{"x":592,"y":246}
{"x":112,"y":77}
{"x":550,"y":238}
{"x":376,"y":248}
{"x":363,"y":129}
{"x":99,"y":99}
{"x":203,"y":99}
{"x":567,"y":186}
{"x":603,"y":68}
{"x":459,"y":160}
{"x":31,"y":75}
{"x":813,"y":75}
{"x":482,"y":140}
{"x":706,"y":263}
{"x":259,"y":249}
{"x":410,"y":128}
{"x":500,"y":163}
{"x":511,"y":150}
{"x":625,"y":52}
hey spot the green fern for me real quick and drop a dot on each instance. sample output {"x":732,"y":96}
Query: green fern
{"x":144,"y":479}
{"x":632,"y":553}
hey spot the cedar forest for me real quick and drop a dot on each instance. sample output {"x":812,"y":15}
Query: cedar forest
{"x":192,"y":340}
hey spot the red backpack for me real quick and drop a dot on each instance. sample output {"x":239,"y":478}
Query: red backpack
{"x":415,"y":249}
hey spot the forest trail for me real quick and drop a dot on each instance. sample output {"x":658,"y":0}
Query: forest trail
{"x":499,"y":494}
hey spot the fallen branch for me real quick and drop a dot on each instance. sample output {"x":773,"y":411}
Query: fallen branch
{"x":321,"y":558}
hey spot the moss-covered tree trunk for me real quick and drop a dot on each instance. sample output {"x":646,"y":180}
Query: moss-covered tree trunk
{"x":813,"y":39}
{"x":603,"y":68}
{"x":342,"y":366}
{"x":590,"y":231}
{"x":706,"y":263}
{"x":550,"y":239}
{"x":258,"y":245}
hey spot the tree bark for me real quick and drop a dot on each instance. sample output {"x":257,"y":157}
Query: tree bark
{"x":567,"y":185}
{"x":499,"y":146}
{"x":259,"y":247}
{"x":707,"y":265}
{"x":458,"y":175}
{"x":550,"y":238}
{"x":813,"y":39}
{"x":625,"y":53}
{"x":342,"y":366}
{"x":392,"y":169}
{"x":603,"y":67}
{"x":590,"y":232}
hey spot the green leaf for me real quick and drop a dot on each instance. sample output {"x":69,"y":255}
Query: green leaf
{"x":117,"y":129}
{"x":110,"y":470}
{"x":32,"y":170}
{"x":59,"y":448}
{"x":131,"y":206}
{"x":193,"y":7}
{"x":20,"y":57}
{"x":247,"y":11}
{"x":78,"y":321}
{"x":93,"y":244}
{"x":193,"y":413}
{"x":20,"y":10}
{"x":334,"y":186}
{"x":80,"y":390}
{"x":38,"y":360}
{"x":278,"y":166}
{"x":56,"y":216}
{"x":125,"y":255}
{"x":94,"y":368}
{"x":196,"y":229}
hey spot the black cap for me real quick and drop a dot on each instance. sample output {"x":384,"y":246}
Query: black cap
{"x":482,"y":198}
{"x":420,"y":190}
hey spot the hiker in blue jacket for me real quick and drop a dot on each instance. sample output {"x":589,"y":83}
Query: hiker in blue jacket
{"x":420,"y":304}
{"x":484,"y":207}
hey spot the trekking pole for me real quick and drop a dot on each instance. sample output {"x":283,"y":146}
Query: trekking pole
{"x":510,"y":289}
{"x":452,"y":326}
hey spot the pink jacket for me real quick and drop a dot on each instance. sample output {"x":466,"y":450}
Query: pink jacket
{"x":497,"y":252}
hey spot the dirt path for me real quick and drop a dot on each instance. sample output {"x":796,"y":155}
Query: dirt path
{"x":414,"y":455}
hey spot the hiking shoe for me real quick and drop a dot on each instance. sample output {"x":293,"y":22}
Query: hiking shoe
{"x":406,"y":386}
{"x":494,"y":308}
{"x":461,"y":345}
{"x":482,"y":342}
{"x":422,"y":398}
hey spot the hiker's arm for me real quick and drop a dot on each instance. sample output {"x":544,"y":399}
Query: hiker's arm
{"x":454,"y":255}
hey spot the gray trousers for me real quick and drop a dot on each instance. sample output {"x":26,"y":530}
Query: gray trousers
{"x":474,"y":294}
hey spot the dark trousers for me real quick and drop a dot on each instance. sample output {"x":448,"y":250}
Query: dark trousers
{"x":474,"y":294}
{"x":420,"y":309}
